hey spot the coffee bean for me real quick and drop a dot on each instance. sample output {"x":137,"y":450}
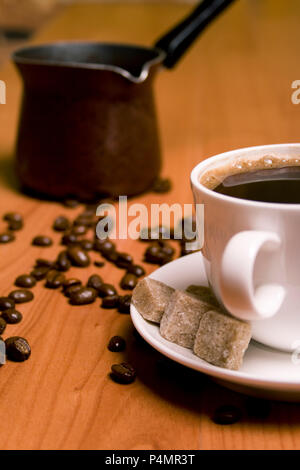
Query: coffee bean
{"x":111,"y":256}
{"x":111,"y":301}
{"x":99,"y":264}
{"x":155,"y":255}
{"x":123,"y":373}
{"x":89,"y":212}
{"x":70,"y":239}
{"x":25,"y":280}
{"x":79,"y":230}
{"x":40,"y":262}
{"x":135,"y":269}
{"x":12,"y":217}
{"x":129,"y":281}
{"x":71,"y":203}
{"x":15,"y":225}
{"x":124,"y":260}
{"x":106,"y":290}
{"x":95,"y":281}
{"x":61,"y":224}
{"x":162,"y":185}
{"x":40,"y":272}
{"x":17,"y":349}
{"x":11,"y":316}
{"x":42,"y":240}
{"x":78,"y":256}
{"x":63,"y":263}
{"x":156,"y":233}
{"x":21,"y":296}
{"x":124,"y":303}
{"x":258,"y":408}
{"x":71,"y":282}
{"x":87,"y":245}
{"x":54,"y":279}
{"x":116,"y":344}
{"x":85,"y":295}
{"x":85,"y":221}
{"x":227,"y":414}
{"x":104,"y":246}
{"x":2,"y":325}
{"x":70,"y":290}
{"x":6,"y":302}
{"x":168,"y":250}
{"x":6,"y":237}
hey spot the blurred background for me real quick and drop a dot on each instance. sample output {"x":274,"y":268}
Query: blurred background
{"x":19,"y":19}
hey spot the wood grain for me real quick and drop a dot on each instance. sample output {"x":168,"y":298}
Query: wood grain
{"x":231,"y":90}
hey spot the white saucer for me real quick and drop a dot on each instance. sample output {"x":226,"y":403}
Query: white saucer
{"x":265,"y":372}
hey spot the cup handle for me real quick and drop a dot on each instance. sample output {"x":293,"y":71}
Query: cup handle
{"x":238,"y":293}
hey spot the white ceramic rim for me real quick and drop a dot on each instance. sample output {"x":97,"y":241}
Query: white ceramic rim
{"x":205,"y":164}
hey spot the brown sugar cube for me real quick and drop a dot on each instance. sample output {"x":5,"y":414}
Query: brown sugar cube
{"x":222,"y":340}
{"x":181,"y":319}
{"x":205,"y":294}
{"x":150,"y":298}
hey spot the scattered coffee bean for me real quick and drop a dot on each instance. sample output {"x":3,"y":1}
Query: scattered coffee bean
{"x":111,"y":256}
{"x":42,"y":240}
{"x":111,"y":301}
{"x":116,"y":344}
{"x":162,"y":185}
{"x":136,"y":269}
{"x":89,"y":212}
{"x":17,"y":349}
{"x":15,"y":225}
{"x":12,"y":217}
{"x":82,"y":296}
{"x":95,"y":281}
{"x":71,"y":282}
{"x":70,"y":239}
{"x":6,"y":237}
{"x":123,"y":373}
{"x":154,"y":254}
{"x":83,"y":219}
{"x":11,"y":316}
{"x":70,"y":290}
{"x":129,"y":281}
{"x":25,"y":280}
{"x":78,"y":256}
{"x":227,"y":414}
{"x":6,"y":302}
{"x":54,"y":279}
{"x":124,"y":303}
{"x":87,"y":245}
{"x":124,"y":260}
{"x":40,"y":262}
{"x":79,"y":230}
{"x":2,"y":325}
{"x":40,"y":272}
{"x":21,"y":296}
{"x":61,"y":224}
{"x":104,"y":246}
{"x":99,"y":264}
{"x":258,"y":408}
{"x":71,"y":203}
{"x":168,"y":250}
{"x":63,"y":263}
{"x":106,"y":290}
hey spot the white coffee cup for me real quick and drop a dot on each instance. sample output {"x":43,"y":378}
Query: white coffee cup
{"x":251,"y":249}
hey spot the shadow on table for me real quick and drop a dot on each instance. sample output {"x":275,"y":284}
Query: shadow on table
{"x":197,"y":393}
{"x":8,"y":176}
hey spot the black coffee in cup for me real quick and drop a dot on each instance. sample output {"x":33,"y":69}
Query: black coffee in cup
{"x":264,"y":180}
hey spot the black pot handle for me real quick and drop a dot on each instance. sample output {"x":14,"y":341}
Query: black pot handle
{"x":177,"y":41}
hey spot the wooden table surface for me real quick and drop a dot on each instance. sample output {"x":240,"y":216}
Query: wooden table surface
{"x":233,"y":89}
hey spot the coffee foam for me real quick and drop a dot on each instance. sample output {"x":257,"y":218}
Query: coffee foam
{"x":215,"y":175}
